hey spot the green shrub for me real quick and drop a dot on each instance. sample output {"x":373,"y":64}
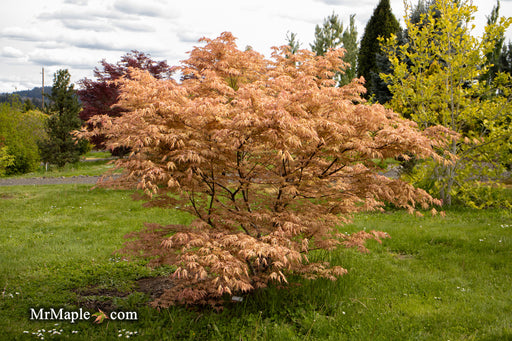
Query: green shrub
{"x":21,"y":131}
{"x":478,"y":184}
{"x":6,"y":159}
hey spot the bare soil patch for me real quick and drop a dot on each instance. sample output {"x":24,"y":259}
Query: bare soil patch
{"x":154,"y":286}
{"x":94,"y":298}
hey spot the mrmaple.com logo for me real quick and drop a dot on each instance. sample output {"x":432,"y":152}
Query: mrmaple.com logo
{"x":80,"y":315}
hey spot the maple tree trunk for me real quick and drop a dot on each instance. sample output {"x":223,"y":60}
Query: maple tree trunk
{"x":451,"y":175}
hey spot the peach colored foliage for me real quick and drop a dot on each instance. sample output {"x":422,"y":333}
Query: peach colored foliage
{"x":269,"y":156}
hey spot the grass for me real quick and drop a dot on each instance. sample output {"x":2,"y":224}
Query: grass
{"x":97,"y":154}
{"x":435,"y":279}
{"x":96,"y":164}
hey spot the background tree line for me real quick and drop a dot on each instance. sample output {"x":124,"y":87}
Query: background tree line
{"x":32,"y":99}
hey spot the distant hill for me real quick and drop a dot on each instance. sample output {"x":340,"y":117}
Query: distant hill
{"x":34,"y":95}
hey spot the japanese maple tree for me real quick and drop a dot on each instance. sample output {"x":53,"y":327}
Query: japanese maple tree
{"x":268,"y":154}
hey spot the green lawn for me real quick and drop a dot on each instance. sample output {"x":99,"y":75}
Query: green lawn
{"x":93,"y":167}
{"x":97,"y":154}
{"x":435,"y":279}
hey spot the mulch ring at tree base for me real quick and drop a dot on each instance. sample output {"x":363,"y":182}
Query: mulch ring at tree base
{"x":154,"y":286}
{"x":94,"y":298}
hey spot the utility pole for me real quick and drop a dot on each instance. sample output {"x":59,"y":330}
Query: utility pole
{"x":42,"y":90}
{"x":42,"y":97}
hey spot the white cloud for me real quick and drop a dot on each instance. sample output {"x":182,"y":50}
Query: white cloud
{"x":79,"y":13}
{"x":15,"y":84}
{"x":11,"y":52}
{"x":96,"y":44}
{"x":51,"y":45}
{"x":57,"y":58}
{"x":97,"y":26}
{"x":349,"y":3}
{"x":76,"y":2}
{"x":133,"y":26}
{"x":332,"y":2}
{"x":63,"y":14}
{"x":144,"y":8}
{"x":302,"y":15}
{"x":102,"y":19}
{"x":189,"y":36}
{"x":23,"y":34}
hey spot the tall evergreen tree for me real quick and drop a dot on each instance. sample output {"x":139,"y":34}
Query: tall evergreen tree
{"x":506,"y":58}
{"x":328,"y":36}
{"x":381,"y":24}
{"x":332,"y":35}
{"x":493,"y":58}
{"x":422,"y":9}
{"x":378,"y":88}
{"x":64,"y":108}
{"x":292,"y":42}
{"x":350,"y":45}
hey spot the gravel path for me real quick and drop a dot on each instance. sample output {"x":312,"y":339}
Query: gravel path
{"x":81,"y":179}
{"x":84,"y":179}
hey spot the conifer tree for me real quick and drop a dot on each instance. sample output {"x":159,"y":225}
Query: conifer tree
{"x":381,"y":24}
{"x":493,"y":58}
{"x":506,"y":58}
{"x":331,"y":35}
{"x":379,"y":88}
{"x":60,"y":148}
{"x":351,"y":50}
{"x":328,"y":36}
{"x":293,"y":42}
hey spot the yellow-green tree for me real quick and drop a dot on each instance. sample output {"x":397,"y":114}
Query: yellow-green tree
{"x":6,"y":159}
{"x":435,"y":81}
{"x":20,"y":133}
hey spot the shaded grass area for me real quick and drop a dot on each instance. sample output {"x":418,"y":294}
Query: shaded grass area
{"x":94,"y":163}
{"x":89,"y":168}
{"x":97,"y":154}
{"x":435,"y":279}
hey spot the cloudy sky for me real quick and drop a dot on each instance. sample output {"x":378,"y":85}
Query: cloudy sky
{"x":77,"y":34}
